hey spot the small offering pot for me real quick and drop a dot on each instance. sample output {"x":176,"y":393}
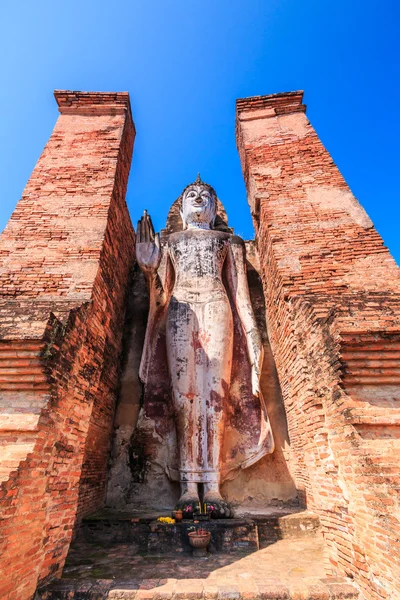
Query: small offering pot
{"x":199,"y":541}
{"x":177,"y":515}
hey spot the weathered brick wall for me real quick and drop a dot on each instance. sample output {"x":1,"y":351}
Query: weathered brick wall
{"x":65,"y":261}
{"x":118,"y":254}
{"x":332,"y":296}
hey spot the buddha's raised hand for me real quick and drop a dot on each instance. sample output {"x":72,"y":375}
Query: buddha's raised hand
{"x":148,"y":251}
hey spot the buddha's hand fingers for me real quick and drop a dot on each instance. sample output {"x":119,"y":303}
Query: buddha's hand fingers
{"x":148,"y":249}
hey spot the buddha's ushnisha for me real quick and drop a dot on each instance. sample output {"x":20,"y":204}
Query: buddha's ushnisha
{"x":205,"y":269}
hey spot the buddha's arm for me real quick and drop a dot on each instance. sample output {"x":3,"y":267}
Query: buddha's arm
{"x":159,"y":291}
{"x":239,"y":289}
{"x":148,"y":256}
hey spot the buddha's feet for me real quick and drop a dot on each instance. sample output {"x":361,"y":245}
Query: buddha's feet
{"x":217,"y":506}
{"x":188,"y":503}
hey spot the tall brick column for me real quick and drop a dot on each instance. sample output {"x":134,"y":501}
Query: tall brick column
{"x":333,"y":297}
{"x":65,"y":261}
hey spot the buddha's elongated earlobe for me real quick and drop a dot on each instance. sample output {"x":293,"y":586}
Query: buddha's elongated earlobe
{"x":184,"y":224}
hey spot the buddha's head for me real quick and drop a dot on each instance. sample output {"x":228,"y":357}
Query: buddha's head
{"x":199,"y":205}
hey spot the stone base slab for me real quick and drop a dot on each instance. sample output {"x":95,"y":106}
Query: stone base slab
{"x":289,"y":569}
{"x":249,"y":533}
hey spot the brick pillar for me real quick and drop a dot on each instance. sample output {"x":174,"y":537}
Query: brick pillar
{"x":65,"y":261}
{"x":333,"y":296}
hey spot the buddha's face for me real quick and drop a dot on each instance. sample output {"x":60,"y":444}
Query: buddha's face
{"x":198,"y":205}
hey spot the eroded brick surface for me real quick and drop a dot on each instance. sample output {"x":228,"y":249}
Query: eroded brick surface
{"x":332,"y":296}
{"x":65,"y":260}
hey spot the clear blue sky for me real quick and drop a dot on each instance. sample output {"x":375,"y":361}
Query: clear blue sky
{"x":184,"y":62}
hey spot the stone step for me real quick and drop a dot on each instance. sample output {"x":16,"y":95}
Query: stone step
{"x":291,"y":568}
{"x":246,"y":533}
{"x":192,"y":589}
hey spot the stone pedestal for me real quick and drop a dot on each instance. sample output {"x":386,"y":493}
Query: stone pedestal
{"x":239,"y":535}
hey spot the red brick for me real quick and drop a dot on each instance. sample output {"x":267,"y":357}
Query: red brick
{"x":66,"y":256}
{"x":333,"y":297}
